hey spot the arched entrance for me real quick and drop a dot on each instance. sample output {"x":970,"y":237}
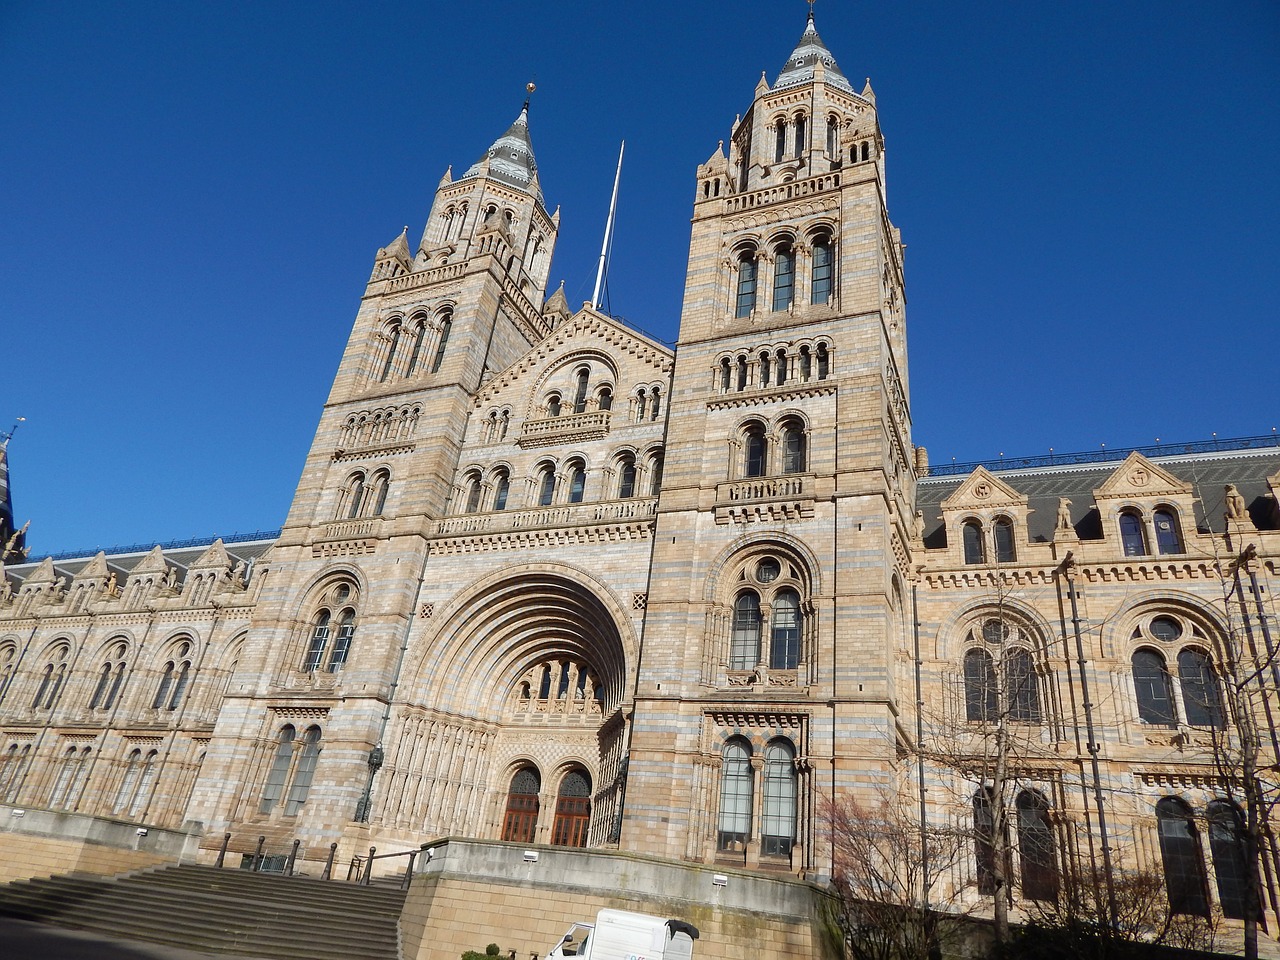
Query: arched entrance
{"x":573,"y":811}
{"x":521,"y":821}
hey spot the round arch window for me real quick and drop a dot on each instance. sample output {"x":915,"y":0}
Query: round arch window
{"x":767,"y":570}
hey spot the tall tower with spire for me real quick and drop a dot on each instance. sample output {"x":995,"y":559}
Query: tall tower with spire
{"x":777,"y":603}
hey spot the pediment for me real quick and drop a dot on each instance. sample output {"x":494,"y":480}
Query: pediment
{"x":1139,"y":477}
{"x":97,"y":567}
{"x":43,"y":573}
{"x":214,"y":556}
{"x":631,"y":355}
{"x":982,"y":490}
{"x":153,"y":562}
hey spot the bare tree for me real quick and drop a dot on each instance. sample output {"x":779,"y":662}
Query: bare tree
{"x":888,"y":870}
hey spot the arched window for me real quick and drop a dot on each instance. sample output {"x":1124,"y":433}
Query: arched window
{"x":342,"y":642}
{"x":1168,"y":536}
{"x":824,"y":362}
{"x":446,"y":324}
{"x":779,"y":140}
{"x":744,"y":648}
{"x":656,"y":407}
{"x":971,"y":535}
{"x":778,"y":814}
{"x":833,"y":140}
{"x":1035,"y":847}
{"x":756,"y":450}
{"x":1003,"y":531}
{"x":8,"y":666}
{"x":319,"y":641}
{"x":129,"y":782}
{"x":501,"y":488}
{"x":866,"y":150}
{"x":984,"y":837}
{"x":51,"y":680}
{"x":577,"y":481}
{"x":793,"y":447}
{"x":521,"y":821}
{"x":1184,"y":878}
{"x":801,"y":134}
{"x":1132,"y":537}
{"x":473,"y":494}
{"x":1226,"y":846}
{"x":1201,"y":695}
{"x":394,"y":338}
{"x":627,"y":479}
{"x":110,"y":680}
{"x":580,"y":393}
{"x":655,"y":474}
{"x":67,"y":768}
{"x":980,"y":692}
{"x":821,"y":281}
{"x":381,"y":486}
{"x":742,"y":373}
{"x":784,"y":278}
{"x":806,"y":364}
{"x":734,"y":826}
{"x":604,"y":399}
{"x":1152,"y":685}
{"x":182,"y":676}
{"x":573,"y":811}
{"x":1022,"y":689}
{"x":303,"y":776}
{"x":355,"y":496}
{"x":419,"y":336}
{"x":18,"y":772}
{"x":726,"y":374}
{"x":746,"y":299}
{"x":553,"y":405}
{"x":784,"y":641}
{"x":782,"y":367}
{"x":278,"y":775}
{"x":546,"y":485}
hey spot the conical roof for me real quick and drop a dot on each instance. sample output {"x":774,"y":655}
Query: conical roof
{"x":510,"y":159}
{"x":809,"y":52}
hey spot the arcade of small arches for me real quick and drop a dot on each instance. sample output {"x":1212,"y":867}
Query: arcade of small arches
{"x":524,"y":818}
{"x":402,"y":347}
{"x":763,"y":448}
{"x":627,"y":474}
{"x":364,"y":494}
{"x":778,"y":365}
{"x":387,"y":425}
{"x":789,"y":263}
{"x":331,"y":626}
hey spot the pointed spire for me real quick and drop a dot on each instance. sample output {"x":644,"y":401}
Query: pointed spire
{"x":809,"y":52}
{"x":399,"y":247}
{"x":510,"y":159}
{"x":447,"y":178}
{"x":11,"y":539}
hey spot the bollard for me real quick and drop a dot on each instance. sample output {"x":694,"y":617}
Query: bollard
{"x":328,"y":864}
{"x":368,"y":866}
{"x":222,"y":853}
{"x":293,"y":858}
{"x":257,"y":855}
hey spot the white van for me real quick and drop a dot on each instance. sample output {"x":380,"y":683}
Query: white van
{"x":619,"y":935}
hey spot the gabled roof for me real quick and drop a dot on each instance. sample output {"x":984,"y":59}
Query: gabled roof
{"x":510,"y":159}
{"x":809,"y":52}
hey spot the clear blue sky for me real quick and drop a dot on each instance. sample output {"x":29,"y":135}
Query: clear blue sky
{"x":191,"y":196}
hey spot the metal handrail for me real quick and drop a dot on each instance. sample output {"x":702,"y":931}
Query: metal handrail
{"x":365,"y":875}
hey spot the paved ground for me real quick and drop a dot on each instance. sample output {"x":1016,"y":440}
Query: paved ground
{"x":21,"y":940}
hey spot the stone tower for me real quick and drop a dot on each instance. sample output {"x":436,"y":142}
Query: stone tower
{"x":772,"y":661}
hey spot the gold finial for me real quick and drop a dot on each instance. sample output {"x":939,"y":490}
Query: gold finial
{"x":528,"y":92}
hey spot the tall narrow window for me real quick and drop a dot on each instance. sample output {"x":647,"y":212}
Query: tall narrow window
{"x":66,"y":771}
{"x":726,"y":375}
{"x":734,"y":826}
{"x":971,"y":535}
{"x":1035,"y":848}
{"x":553,"y":405}
{"x":656,"y":407}
{"x":419,"y":335}
{"x":655,"y":475}
{"x":801,"y":135}
{"x":166,"y":684}
{"x":1201,"y":696}
{"x":784,"y":279}
{"x":793,"y":448}
{"x":833,"y":141}
{"x":1168,"y":536}
{"x":627,"y":479}
{"x":824,"y":362}
{"x":980,"y":693}
{"x":744,"y":649}
{"x":984,"y":847}
{"x":356,"y":496}
{"x":778,"y":814}
{"x":1003,"y":531}
{"x":273,"y":789}
{"x":1132,"y":537}
{"x":1184,"y":878}
{"x":779,"y":141}
{"x":1226,"y":846}
{"x":501,"y":488}
{"x":305,"y":774}
{"x":521,"y":821}
{"x":129,"y":782}
{"x":746,"y":299}
{"x":18,"y":774}
{"x":1153,"y":687}
{"x":580,"y":393}
{"x":342,"y":641}
{"x":742,"y":373}
{"x":381,"y":484}
{"x":784,"y":642}
{"x":764,"y":368}
{"x":179,"y":685}
{"x":1021,"y":687}
{"x":319,"y":641}
{"x":573,"y":811}
{"x":806,"y":364}
{"x":756,"y":451}
{"x":604,"y":399}
{"x":782,"y":367}
{"x":473,"y":495}
{"x":577,"y":482}
{"x":394,"y":339}
{"x":446,"y":324}
{"x":820,"y":286}
{"x":547,"y":486}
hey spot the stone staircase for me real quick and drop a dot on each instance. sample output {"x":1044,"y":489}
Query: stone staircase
{"x":220,"y":911}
